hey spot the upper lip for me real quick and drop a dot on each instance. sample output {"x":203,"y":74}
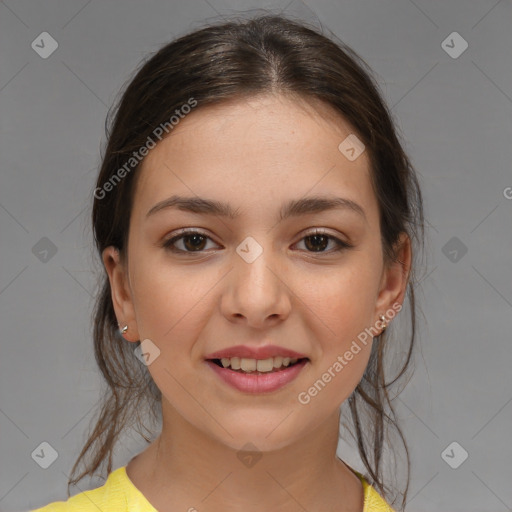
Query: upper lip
{"x":263,"y":352}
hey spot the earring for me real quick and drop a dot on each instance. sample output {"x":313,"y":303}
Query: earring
{"x":122,"y":330}
{"x":382,"y":318}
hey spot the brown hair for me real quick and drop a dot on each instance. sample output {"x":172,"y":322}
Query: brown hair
{"x":229,"y":61}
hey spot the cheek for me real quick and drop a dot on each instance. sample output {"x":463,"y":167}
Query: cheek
{"x":169,"y":301}
{"x":345,"y":301}
{"x":338,"y":379}
{"x":344,"y":305}
{"x":170,"y":309}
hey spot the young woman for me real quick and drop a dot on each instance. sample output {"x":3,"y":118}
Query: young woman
{"x":257,"y":218}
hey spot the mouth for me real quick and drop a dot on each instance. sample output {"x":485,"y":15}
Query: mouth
{"x":258,"y":366}
{"x":257,"y":369}
{"x":256,"y":376}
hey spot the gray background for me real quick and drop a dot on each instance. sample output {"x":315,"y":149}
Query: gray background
{"x":455,"y":117}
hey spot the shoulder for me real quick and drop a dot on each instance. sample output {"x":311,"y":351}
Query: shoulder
{"x":119,"y":494}
{"x":373,"y":501}
{"x":116,"y":493}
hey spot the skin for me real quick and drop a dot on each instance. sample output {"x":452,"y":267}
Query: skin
{"x":255,"y":154}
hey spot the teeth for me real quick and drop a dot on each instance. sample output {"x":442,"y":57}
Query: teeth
{"x":248,"y":365}
{"x":265,"y":365}
{"x":260,"y":365}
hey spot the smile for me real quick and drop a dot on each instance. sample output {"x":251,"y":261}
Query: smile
{"x":257,"y":375}
{"x":248,"y":365}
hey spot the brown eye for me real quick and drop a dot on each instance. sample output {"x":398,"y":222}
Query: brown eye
{"x":195,"y":241}
{"x":318,"y":241}
{"x":191,"y":241}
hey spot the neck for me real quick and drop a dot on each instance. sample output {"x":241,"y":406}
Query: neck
{"x":184,"y":469}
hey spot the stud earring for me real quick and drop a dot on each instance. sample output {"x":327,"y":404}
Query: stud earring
{"x":382,"y":318}
{"x":123,"y":330}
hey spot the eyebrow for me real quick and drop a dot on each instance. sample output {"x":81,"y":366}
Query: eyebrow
{"x":293,"y":208}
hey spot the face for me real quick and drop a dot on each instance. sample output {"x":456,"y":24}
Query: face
{"x":266,"y":281}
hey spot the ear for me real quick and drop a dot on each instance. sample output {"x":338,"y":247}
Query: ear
{"x":120,"y":292}
{"x":395,"y":276}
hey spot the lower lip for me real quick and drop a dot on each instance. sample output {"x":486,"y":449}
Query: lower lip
{"x":257,"y":383}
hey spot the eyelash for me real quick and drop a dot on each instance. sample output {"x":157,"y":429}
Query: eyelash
{"x":341,"y":245}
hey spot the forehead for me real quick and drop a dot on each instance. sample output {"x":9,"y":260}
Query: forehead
{"x":259,"y":150}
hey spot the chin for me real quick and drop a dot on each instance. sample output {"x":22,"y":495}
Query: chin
{"x":269,"y":435}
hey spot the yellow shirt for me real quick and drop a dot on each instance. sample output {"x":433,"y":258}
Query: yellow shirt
{"x":119,"y":494}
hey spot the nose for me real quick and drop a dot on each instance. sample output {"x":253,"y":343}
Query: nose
{"x":256,"y":293}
